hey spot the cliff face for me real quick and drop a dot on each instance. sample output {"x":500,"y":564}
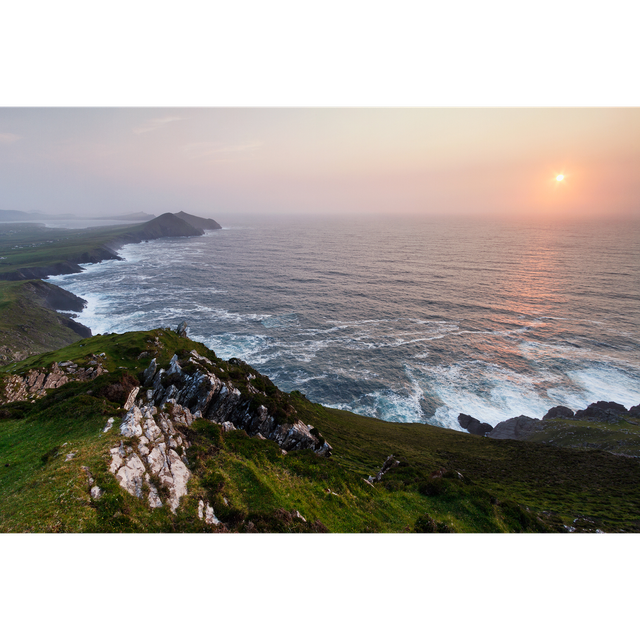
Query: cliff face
{"x":165,"y":226}
{"x":29,"y":323}
{"x":199,"y":223}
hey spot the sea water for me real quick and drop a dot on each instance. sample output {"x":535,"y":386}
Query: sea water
{"x":408,"y":320}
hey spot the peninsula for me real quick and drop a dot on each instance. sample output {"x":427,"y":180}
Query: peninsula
{"x":30,"y":322}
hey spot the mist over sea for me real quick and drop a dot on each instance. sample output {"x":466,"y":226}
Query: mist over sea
{"x":403,"y":319}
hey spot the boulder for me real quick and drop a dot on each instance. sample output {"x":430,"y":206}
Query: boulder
{"x":516,"y":428}
{"x":473,"y":425}
{"x":635,"y":411}
{"x":602,"y":411}
{"x":182,"y":329}
{"x":558,"y":412}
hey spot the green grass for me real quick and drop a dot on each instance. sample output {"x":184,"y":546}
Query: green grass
{"x":31,"y":245}
{"x":482,"y":485}
{"x":622,"y":437}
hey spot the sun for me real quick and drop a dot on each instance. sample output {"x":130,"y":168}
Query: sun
{"x":559,"y":177}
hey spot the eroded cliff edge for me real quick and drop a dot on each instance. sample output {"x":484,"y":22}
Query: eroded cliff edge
{"x":30,"y":323}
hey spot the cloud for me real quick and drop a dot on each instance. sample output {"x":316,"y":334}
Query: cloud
{"x":8,"y":138}
{"x":204,"y":149}
{"x":155,"y":123}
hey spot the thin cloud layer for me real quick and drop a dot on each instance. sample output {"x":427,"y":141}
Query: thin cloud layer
{"x":155,"y":123}
{"x":8,"y":138}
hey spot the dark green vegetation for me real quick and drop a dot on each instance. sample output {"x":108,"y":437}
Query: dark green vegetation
{"x":622,"y":437}
{"x":445,"y":482}
{"x":28,"y":323}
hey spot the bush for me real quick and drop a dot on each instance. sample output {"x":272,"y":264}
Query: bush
{"x":432,"y":487}
{"x":426,"y":524}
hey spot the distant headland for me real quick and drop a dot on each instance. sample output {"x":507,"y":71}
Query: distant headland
{"x":30,"y":320}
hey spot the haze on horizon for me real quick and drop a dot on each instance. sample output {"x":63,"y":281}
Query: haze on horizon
{"x":416,"y":161}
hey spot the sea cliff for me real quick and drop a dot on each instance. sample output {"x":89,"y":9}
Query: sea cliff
{"x":30,"y":323}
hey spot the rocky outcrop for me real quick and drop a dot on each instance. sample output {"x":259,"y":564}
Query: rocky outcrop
{"x":34,"y":384}
{"x":602,"y":411}
{"x":558,"y":412}
{"x":522,"y":427}
{"x":473,"y":425}
{"x":155,"y":456}
{"x":205,"y":395}
{"x":182,"y":329}
{"x":516,"y":428}
{"x":389,"y":464}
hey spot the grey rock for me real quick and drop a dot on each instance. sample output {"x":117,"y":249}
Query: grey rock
{"x":130,"y":475}
{"x":182,"y":329}
{"x":473,"y":425}
{"x":516,"y":428}
{"x":131,"y":423}
{"x":602,"y":411}
{"x":389,"y":463}
{"x":558,"y":412}
{"x":149,"y":372}
{"x":96,"y":492}
{"x":131,"y":398}
{"x":635,"y":411}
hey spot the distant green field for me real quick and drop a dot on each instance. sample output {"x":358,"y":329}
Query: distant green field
{"x":33,"y":245}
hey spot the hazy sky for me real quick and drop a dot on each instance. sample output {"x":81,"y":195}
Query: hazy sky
{"x":249,"y":160}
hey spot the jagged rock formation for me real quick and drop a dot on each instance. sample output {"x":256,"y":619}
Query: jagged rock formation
{"x":389,"y":464}
{"x":207,"y":396}
{"x":156,"y":458}
{"x":34,"y":383}
{"x":159,"y":413}
{"x":182,"y":329}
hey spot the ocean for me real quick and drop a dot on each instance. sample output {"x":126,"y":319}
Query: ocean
{"x":403,"y":319}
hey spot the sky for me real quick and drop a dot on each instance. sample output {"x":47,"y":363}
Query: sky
{"x":411,"y":161}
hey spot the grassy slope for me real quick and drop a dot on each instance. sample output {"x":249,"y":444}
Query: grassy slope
{"x":249,"y":480}
{"x":39,"y":246}
{"x":25,"y":326}
{"x":621,"y":438}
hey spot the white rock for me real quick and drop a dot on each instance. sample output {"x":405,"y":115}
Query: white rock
{"x":228,"y":426}
{"x":209,"y":516}
{"x":96,"y":492}
{"x":70,"y":456}
{"x":181,"y":476}
{"x":117,"y":455}
{"x":206,"y":512}
{"x":130,"y":476}
{"x":108,"y":426}
{"x":131,"y":399}
{"x":156,"y":461}
{"x":154,"y":498}
{"x":130,"y":425}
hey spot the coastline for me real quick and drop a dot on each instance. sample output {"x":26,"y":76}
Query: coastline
{"x":32,"y":322}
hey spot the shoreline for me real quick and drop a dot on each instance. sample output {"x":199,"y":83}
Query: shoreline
{"x":32,"y":320}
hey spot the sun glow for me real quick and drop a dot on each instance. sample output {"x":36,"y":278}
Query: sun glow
{"x":560,"y":177}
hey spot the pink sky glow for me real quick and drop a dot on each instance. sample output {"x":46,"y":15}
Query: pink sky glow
{"x":415,"y":161}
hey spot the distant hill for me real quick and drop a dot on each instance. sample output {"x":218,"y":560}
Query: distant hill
{"x":139,"y":216}
{"x":196,"y":221}
{"x":169,"y":225}
{"x":10,"y":215}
